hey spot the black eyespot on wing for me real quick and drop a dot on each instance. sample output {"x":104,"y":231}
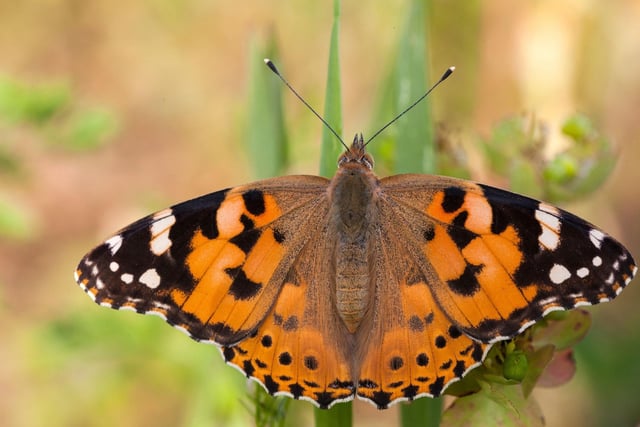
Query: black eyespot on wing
{"x":254,"y":202}
{"x":453,"y":199}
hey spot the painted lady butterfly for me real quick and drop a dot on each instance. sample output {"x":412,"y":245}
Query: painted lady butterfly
{"x":389,"y":289}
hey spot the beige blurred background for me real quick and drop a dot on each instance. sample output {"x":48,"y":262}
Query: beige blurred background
{"x":174,"y":74}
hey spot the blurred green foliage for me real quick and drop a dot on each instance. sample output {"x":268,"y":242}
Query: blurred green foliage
{"x":35,"y":104}
{"x":516,"y":150}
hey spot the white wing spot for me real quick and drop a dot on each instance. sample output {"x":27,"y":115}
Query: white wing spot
{"x":582,"y":272}
{"x":550,"y":236}
{"x":596,"y":261}
{"x":616,"y":265}
{"x":549,"y":239}
{"x":114,"y":243}
{"x":160,"y":242}
{"x":161,"y":306}
{"x":127,"y":278}
{"x":150,"y":278}
{"x":596,"y":237}
{"x":610,"y":279}
{"x":581,"y":304}
{"x":114,"y":266}
{"x":559,"y":274}
{"x":547,"y":301}
{"x":99,"y":284}
{"x":548,"y":208}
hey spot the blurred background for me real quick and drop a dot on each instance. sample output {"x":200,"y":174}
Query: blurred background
{"x":111,"y":110}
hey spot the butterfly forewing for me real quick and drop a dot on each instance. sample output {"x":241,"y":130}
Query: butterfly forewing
{"x":504,"y":260}
{"x":211,"y":266}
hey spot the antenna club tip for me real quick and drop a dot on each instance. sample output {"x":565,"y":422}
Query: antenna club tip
{"x":447,"y":73}
{"x":452,"y":68}
{"x":271,"y":65}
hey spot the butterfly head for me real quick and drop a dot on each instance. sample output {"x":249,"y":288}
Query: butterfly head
{"x":356,"y":154}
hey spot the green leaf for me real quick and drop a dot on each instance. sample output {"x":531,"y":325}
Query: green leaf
{"x":496,"y":405}
{"x":266,"y":137}
{"x":561,"y":329}
{"x":415,"y":152}
{"x":331,"y":147}
{"x":339,"y":415}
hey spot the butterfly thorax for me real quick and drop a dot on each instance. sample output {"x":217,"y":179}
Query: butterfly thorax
{"x":352,"y":212}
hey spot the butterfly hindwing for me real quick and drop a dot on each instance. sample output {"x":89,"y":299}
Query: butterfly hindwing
{"x":411,"y":348}
{"x":302,"y":349}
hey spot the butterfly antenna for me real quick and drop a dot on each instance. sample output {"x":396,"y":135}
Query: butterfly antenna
{"x":443,"y":78}
{"x":273,"y":68}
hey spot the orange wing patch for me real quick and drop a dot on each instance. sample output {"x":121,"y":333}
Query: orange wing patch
{"x":419,"y":354}
{"x":294,"y":351}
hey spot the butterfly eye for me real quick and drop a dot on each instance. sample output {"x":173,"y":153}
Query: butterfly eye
{"x":367,"y":160}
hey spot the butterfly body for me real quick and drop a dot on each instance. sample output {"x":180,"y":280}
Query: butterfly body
{"x":389,"y":289}
{"x":353,"y":197}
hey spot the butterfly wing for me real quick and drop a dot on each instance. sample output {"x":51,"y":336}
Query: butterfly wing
{"x":459,"y":266}
{"x":408,"y":346}
{"x":497,"y":261}
{"x":212,"y":266}
{"x":303,"y":348}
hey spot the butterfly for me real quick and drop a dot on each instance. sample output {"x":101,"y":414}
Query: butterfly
{"x":387,"y":289}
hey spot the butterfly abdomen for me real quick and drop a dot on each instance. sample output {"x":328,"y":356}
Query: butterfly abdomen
{"x":352,"y":214}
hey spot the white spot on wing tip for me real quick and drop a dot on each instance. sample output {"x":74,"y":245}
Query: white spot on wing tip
{"x":114,"y":266}
{"x":160,"y":228}
{"x":596,"y":261}
{"x":548,"y":208}
{"x":550,"y":236}
{"x":114,"y":243}
{"x":596,"y":237}
{"x":127,"y":278}
{"x":160,"y":244}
